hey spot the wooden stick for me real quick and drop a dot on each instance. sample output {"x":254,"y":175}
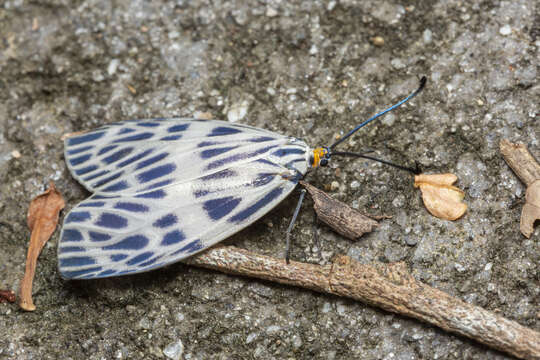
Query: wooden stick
{"x":390,"y":287}
{"x":521,"y":161}
{"x":528,"y":170}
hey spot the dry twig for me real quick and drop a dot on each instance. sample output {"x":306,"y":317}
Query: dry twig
{"x":390,"y":287}
{"x":528,"y":170}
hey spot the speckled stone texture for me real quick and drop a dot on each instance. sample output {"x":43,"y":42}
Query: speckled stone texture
{"x":311,"y":69}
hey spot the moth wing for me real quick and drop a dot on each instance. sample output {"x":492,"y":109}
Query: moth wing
{"x":115,"y":235}
{"x":136,"y":156}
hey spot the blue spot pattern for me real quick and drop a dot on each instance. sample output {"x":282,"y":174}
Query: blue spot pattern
{"x":92,"y":204}
{"x":112,"y":221}
{"x":223,"y":174}
{"x":71,"y":235}
{"x":121,"y":185}
{"x":157,"y":194}
{"x":151,"y":160}
{"x":173,"y":237}
{"x":79,"y":273}
{"x":77,"y":216}
{"x":156,"y":172}
{"x":117,"y":155}
{"x":106,"y":149}
{"x":107,"y":273}
{"x":135,"y":158}
{"x":218,"y":208}
{"x":134,"y":242}
{"x":223,"y":130}
{"x":118,"y":257}
{"x":77,"y":261}
{"x":177,"y":128}
{"x":97,"y":236}
{"x":107,"y":180}
{"x":150,"y":262}
{"x":190,"y":248}
{"x":147,"y":124}
{"x":267,"y":199}
{"x":138,"y":137}
{"x":207,"y":143}
{"x":133,"y":207}
{"x":262,"y":139}
{"x":79,"y":160}
{"x":288,"y":151}
{"x":140,"y":258}
{"x":85,"y":138}
{"x":206,"y":154}
{"x":159,"y":184}
{"x":65,"y":249}
{"x":166,"y":221}
{"x":263,"y":179}
{"x":171,"y":137}
{"x":125,"y":131}
{"x":80,"y":150}
{"x":86,"y":170}
{"x":96,"y":175}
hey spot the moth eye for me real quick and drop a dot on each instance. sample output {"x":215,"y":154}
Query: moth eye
{"x":323,"y":162}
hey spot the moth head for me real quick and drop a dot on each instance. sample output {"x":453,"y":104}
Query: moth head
{"x":320,"y":157}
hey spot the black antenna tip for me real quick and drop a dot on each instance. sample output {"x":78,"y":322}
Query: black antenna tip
{"x":417,"y":168}
{"x":423,"y":81}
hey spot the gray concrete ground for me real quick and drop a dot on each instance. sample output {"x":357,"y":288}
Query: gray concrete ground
{"x":309,"y":69}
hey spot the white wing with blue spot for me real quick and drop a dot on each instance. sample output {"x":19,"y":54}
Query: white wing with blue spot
{"x":166,"y":189}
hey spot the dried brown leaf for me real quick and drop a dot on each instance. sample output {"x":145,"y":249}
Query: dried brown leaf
{"x":441,"y":198}
{"x":339,"y":216}
{"x":42,"y":221}
{"x":531,"y":209}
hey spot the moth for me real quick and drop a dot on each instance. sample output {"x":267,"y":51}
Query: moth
{"x":165,"y":189}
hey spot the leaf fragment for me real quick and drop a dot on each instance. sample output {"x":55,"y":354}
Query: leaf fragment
{"x":531,"y":210}
{"x":7,"y":296}
{"x":42,"y":221}
{"x":441,"y":198}
{"x":339,"y":216}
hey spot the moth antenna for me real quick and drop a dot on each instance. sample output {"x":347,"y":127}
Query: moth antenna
{"x":416,"y":170}
{"x":416,"y":92}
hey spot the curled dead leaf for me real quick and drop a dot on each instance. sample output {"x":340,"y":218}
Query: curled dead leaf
{"x":441,"y":198}
{"x":531,"y":209}
{"x":42,"y":221}
{"x":7,"y":296}
{"x":339,"y":216}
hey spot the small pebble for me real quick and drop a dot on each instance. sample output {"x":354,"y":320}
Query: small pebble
{"x":271,"y":12}
{"x":334,"y":186}
{"x":273,"y":329}
{"x":397,"y":64}
{"x":174,"y":350}
{"x":460,"y":268}
{"x":377,"y":40}
{"x":250,"y":338}
{"x":505,"y":30}
{"x":355,"y":185}
{"x":427,"y":36}
{"x":237,"y":111}
{"x":15,"y":154}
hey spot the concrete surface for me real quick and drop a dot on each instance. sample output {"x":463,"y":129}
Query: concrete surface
{"x":310,"y":69}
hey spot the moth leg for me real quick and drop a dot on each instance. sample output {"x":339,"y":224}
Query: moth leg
{"x":291,"y":225}
{"x":316,"y":238}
